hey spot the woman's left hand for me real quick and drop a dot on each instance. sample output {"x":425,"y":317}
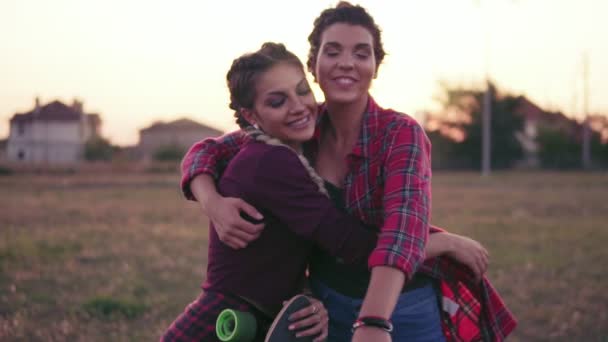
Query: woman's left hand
{"x":313,"y":318}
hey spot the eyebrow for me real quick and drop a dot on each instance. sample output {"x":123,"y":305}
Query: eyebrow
{"x":303,"y":82}
{"x":282,"y":92}
{"x":357,"y":46}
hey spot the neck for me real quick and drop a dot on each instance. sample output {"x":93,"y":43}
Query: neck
{"x":346,"y":120}
{"x":260,"y":135}
{"x":296,"y":147}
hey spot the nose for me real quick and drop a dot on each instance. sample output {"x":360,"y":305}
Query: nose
{"x":297,"y":106}
{"x":346,"y":62}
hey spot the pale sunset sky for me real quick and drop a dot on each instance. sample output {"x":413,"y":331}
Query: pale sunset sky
{"x":138,"y":61}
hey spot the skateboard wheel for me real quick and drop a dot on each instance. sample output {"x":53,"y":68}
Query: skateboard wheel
{"x":235,"y":326}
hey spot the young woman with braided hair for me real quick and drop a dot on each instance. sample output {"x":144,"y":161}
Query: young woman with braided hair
{"x":269,"y":87}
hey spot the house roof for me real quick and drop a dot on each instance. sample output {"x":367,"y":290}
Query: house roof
{"x":180,"y":124}
{"x":529,"y":110}
{"x":54,"y":111}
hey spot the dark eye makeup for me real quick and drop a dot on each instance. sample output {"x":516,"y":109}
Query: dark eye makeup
{"x":275,"y":101}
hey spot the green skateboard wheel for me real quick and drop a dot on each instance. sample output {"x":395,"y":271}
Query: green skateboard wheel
{"x":235,"y":326}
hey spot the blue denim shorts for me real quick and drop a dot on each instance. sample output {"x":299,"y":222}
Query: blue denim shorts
{"x":416,"y":317}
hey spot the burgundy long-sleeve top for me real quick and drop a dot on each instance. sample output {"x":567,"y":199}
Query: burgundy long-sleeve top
{"x":297,"y":215}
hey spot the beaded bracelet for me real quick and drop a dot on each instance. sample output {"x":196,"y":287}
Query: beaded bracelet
{"x":373,"y":321}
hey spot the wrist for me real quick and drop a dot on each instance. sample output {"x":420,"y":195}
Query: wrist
{"x":209,"y":201}
{"x":449,"y":243}
{"x":375,"y":322}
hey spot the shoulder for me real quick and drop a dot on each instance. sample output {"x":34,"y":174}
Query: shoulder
{"x":274,"y":155}
{"x":266,"y":171}
{"x":394,"y":125}
{"x":259,"y":158}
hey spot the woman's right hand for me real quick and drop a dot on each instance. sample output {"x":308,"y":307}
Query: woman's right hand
{"x":228,"y":217}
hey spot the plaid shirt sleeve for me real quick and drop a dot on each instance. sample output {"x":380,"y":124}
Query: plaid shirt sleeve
{"x":209,"y":156}
{"x":407,"y":192}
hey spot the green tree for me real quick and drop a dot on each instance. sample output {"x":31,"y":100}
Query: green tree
{"x":97,"y":149}
{"x":171,"y":152}
{"x":506,"y":150}
{"x":558,"y":150}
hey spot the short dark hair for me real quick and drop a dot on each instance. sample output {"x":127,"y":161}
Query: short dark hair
{"x":344,"y":12}
{"x":244,"y":73}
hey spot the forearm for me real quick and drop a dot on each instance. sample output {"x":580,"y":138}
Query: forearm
{"x":438,"y":244}
{"x":383,"y":292}
{"x":205,"y":191}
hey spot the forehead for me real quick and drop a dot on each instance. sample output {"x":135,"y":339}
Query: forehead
{"x":347,"y":35}
{"x":280,"y":77}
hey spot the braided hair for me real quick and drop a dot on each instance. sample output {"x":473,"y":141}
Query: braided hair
{"x":257,"y":135}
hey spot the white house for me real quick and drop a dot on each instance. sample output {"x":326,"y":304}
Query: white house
{"x":179,"y":134}
{"x":54,"y":133}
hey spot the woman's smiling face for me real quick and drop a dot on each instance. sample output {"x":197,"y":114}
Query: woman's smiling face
{"x":284,"y":105}
{"x":345,"y":64}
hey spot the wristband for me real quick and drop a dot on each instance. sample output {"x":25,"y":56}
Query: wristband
{"x":373,"y":321}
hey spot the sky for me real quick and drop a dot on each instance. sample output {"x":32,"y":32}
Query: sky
{"x":139,"y":61}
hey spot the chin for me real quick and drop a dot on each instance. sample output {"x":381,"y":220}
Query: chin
{"x":304,"y":136}
{"x":342,"y":98}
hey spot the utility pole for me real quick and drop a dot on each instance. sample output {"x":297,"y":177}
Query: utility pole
{"x":486,"y":114}
{"x":586,"y":153}
{"x":486,"y":132}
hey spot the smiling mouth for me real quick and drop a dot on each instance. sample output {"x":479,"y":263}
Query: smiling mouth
{"x":300,"y":123}
{"x":344,"y":80}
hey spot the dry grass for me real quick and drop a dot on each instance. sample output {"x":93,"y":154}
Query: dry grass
{"x":104,"y":256}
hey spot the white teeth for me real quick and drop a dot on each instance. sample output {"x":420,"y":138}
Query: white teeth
{"x":301,"y":121}
{"x":345,"y":81}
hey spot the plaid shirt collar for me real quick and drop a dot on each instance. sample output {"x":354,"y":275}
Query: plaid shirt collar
{"x":369,"y":128}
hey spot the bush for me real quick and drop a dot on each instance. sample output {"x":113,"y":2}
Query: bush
{"x":108,"y":308}
{"x":98,"y":149}
{"x":169,"y":153}
{"x":5,"y":171}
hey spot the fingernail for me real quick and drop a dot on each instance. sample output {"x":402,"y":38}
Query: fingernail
{"x":291,"y":327}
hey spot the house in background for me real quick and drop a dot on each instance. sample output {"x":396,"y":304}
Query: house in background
{"x":536,"y":119}
{"x":179,"y":134}
{"x":54,"y":133}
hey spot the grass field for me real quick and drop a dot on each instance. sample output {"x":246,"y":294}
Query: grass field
{"x":116,"y":257}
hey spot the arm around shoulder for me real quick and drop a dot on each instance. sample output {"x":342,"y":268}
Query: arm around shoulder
{"x":209,"y":156}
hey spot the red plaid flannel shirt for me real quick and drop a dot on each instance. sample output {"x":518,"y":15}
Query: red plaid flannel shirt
{"x":387,"y":186}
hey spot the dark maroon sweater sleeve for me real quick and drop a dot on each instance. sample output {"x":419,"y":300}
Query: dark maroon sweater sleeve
{"x":283,"y":186}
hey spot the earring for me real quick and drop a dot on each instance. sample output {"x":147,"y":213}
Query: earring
{"x":256,"y":126}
